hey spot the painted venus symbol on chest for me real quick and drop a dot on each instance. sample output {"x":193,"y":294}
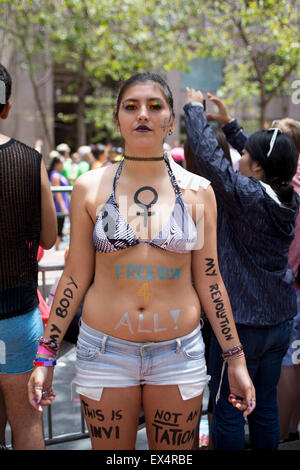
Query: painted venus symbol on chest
{"x":144,"y":206}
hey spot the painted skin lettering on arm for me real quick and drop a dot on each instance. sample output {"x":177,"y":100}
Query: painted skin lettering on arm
{"x":216,"y":297}
{"x":62,"y":311}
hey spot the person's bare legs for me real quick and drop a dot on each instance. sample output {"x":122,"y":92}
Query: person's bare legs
{"x":3,"y":420}
{"x":25,"y":421}
{"x":57,"y":243}
{"x":286,"y":393}
{"x":171,"y":422}
{"x":112,"y":421}
{"x":295,"y":418}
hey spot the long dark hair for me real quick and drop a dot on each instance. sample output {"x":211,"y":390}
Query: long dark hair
{"x":54,"y":162}
{"x":281,"y":164}
{"x":190,"y":160}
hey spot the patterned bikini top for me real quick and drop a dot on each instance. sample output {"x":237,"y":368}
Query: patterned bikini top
{"x":112,"y":232}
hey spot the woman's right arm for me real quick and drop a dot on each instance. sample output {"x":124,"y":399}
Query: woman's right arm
{"x":76,"y":279}
{"x":233,"y":131}
{"x":237,"y":193}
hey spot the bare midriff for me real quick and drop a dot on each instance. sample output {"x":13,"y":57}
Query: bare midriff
{"x":142,"y":294}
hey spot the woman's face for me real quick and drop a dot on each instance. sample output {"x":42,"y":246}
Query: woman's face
{"x":248,"y":166}
{"x":144,"y":119}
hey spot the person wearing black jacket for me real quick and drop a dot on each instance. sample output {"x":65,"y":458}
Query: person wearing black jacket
{"x":257,"y":209}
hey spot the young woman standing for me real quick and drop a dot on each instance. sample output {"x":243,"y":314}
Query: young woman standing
{"x":139,"y":234}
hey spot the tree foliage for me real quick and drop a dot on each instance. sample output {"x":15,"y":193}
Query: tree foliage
{"x":101,"y":42}
{"x":259,"y":40}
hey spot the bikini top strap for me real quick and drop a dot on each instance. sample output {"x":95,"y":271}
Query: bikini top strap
{"x":173,"y":179}
{"x":116,"y":179}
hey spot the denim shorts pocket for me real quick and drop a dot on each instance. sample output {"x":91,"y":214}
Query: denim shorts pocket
{"x":85,"y":352}
{"x":194,"y":350}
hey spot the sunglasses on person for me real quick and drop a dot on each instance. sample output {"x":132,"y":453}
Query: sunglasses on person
{"x":277,"y":121}
{"x":275,"y":131}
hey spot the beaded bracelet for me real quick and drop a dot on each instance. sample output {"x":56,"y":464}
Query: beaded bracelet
{"x":39,"y":362}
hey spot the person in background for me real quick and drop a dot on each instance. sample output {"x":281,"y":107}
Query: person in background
{"x":61,"y":200}
{"x":27,"y":220}
{"x":75,"y":167}
{"x":54,"y":154}
{"x":289,"y":383}
{"x":257,"y":209}
{"x":190,"y":165}
{"x":177,"y":152}
{"x":85,"y":159}
{"x":100,"y":155}
{"x":115,"y":154}
{"x":64,"y":150}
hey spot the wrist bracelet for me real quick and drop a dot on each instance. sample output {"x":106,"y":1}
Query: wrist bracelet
{"x":42,"y":350}
{"x":235,"y":356}
{"x":232,"y":351}
{"x":43,"y":359}
{"x":50,"y":345}
{"x":38,"y":363}
{"x":228,"y":355}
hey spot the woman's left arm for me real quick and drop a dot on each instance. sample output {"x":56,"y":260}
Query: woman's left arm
{"x":215,"y":302}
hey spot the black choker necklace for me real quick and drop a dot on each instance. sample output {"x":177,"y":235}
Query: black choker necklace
{"x":144,"y":159}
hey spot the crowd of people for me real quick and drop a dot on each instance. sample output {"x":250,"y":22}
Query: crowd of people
{"x":66,"y":166}
{"x":157,"y":249}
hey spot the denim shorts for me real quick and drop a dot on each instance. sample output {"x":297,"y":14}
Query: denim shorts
{"x":18,"y":342}
{"x":106,"y":361}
